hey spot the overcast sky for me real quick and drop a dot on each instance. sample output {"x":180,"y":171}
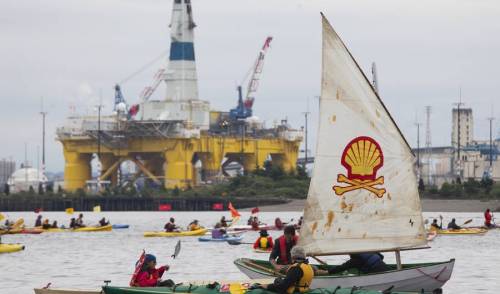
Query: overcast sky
{"x":68,"y":51}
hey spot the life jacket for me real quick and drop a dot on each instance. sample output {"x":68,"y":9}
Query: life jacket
{"x":487,"y":218}
{"x":307,"y":276}
{"x":370,"y":261}
{"x":263,"y":242}
{"x":283,"y":258}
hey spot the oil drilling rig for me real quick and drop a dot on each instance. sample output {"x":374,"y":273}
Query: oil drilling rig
{"x":165,"y":138}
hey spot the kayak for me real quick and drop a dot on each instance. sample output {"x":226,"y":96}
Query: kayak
{"x":225,"y":239}
{"x":463,"y":231}
{"x":258,"y":250}
{"x":7,"y":248}
{"x":93,"y":229}
{"x":232,"y":288}
{"x":65,"y":291}
{"x":176,"y":234}
{"x":120,"y":226}
{"x":430,"y":276}
{"x":21,"y":231}
{"x":250,"y":228}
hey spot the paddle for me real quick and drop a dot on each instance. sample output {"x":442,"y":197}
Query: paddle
{"x":177,"y":249}
{"x":467,"y":222}
{"x":236,"y":242}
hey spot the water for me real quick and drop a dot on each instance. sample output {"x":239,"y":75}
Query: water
{"x":84,"y":260}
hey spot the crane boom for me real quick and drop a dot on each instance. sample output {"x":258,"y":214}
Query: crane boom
{"x":253,"y":84}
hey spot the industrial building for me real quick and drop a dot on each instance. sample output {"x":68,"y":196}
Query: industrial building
{"x":7,"y":167}
{"x":466,"y":158}
{"x":167,"y":138}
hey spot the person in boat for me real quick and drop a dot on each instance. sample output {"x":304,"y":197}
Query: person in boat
{"x":278,"y":224}
{"x":264,"y":242}
{"x":298,"y":277}
{"x":194,"y":226}
{"x":487,"y":218}
{"x":79,"y":221}
{"x":54,"y":225}
{"x":299,"y":223}
{"x":223,"y":222}
{"x":453,"y":225}
{"x":46,"y":225}
{"x":171,"y":226}
{"x":255,"y":223}
{"x":72,"y":223}
{"x":38,"y":222}
{"x":435,"y":226}
{"x":218,"y":232}
{"x":103,"y":222}
{"x":280,"y":255}
{"x":250,"y":220}
{"x":364,"y":262}
{"x":150,"y":276}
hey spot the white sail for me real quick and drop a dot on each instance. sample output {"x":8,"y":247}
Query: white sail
{"x":363,"y":195}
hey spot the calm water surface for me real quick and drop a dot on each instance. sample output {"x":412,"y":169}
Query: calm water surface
{"x":84,"y":260}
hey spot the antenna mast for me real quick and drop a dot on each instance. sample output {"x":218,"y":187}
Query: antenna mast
{"x":428,"y":141}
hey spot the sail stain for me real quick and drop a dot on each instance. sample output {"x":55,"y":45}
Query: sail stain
{"x":340,"y":229}
{"x":314,"y":227}
{"x":372,"y":124}
{"x":389,"y":196}
{"x":329,"y":221}
{"x":338,"y":95}
{"x":377,"y":113}
{"x":334,"y":118}
{"x":364,"y":236}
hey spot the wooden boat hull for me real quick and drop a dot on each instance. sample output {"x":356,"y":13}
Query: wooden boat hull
{"x":199,"y":232}
{"x":413,"y":277}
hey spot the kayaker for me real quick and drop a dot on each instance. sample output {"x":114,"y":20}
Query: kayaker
{"x":255,"y":223}
{"x":487,"y":218}
{"x":218,"y":232}
{"x":435,"y":226}
{"x":103,"y":222}
{"x":171,"y":226}
{"x":150,"y":276}
{"x":79,"y":221}
{"x":46,"y":225}
{"x":72,"y":223}
{"x":193,"y":226}
{"x":280,"y":255}
{"x":264,"y":242}
{"x":453,"y":226}
{"x":299,"y":223}
{"x":278,"y":224}
{"x":298,"y":277}
{"x":364,"y":262}
{"x":38,"y":222}
{"x":223,"y":222}
{"x":54,"y":225}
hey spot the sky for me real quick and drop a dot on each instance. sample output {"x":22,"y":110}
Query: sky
{"x":70,"y":53}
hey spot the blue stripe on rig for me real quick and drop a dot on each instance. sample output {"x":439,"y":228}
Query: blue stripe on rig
{"x":181,"y":51}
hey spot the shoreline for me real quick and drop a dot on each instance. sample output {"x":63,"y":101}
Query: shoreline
{"x":428,"y":205}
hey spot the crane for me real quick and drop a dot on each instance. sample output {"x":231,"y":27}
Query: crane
{"x":244,"y":107}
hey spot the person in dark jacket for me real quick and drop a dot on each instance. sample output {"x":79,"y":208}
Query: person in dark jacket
{"x":435,"y":226}
{"x":171,"y":226}
{"x":280,"y":255}
{"x":453,"y":225}
{"x":364,"y":262}
{"x":38,"y":222}
{"x":72,"y":223}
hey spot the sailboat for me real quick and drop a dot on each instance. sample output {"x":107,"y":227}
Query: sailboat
{"x":363,"y":195}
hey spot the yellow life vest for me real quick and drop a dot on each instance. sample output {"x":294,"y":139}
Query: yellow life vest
{"x":304,"y":282}
{"x":263,"y":243}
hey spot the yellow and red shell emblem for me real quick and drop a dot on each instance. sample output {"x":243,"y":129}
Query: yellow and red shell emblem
{"x":362,"y":157}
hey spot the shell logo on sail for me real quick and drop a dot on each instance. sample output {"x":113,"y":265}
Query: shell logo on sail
{"x":362,"y":158}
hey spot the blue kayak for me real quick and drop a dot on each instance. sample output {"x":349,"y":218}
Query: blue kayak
{"x":225,"y":239}
{"x":118,"y":226}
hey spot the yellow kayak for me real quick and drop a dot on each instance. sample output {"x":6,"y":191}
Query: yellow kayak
{"x":199,"y":232}
{"x":463,"y":231}
{"x":7,"y":248}
{"x":93,"y":229}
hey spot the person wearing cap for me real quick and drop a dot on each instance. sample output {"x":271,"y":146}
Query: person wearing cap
{"x":38,"y":222}
{"x":79,"y":221}
{"x":264,"y":242}
{"x":171,"y":226}
{"x":453,"y":225}
{"x":298,"y":277}
{"x":150,"y":276}
{"x":193,"y":226}
{"x":280,"y":255}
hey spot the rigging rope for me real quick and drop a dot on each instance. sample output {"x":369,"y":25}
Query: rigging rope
{"x":144,"y":67}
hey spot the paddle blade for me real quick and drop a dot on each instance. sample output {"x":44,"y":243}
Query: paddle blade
{"x":467,"y":222}
{"x":177,"y":249}
{"x":233,"y":242}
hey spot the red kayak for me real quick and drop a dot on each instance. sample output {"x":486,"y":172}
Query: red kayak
{"x":31,"y":231}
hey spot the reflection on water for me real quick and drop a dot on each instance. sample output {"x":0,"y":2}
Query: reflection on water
{"x":84,"y":260}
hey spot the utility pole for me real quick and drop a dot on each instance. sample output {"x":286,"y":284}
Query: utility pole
{"x":428,"y":142}
{"x":459,"y":160}
{"x":418,"y":148}
{"x":43,"y":113}
{"x":491,"y":144}
{"x":99,"y":108}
